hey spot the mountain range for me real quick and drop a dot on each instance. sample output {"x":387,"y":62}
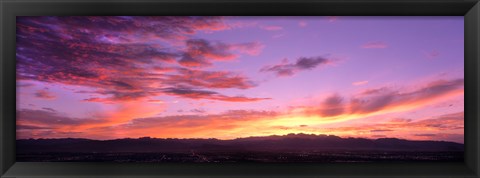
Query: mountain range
{"x":274,"y":143}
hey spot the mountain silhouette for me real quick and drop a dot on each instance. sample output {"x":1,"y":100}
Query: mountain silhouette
{"x":274,"y":143}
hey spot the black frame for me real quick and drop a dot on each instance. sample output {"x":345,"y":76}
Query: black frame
{"x":9,"y":9}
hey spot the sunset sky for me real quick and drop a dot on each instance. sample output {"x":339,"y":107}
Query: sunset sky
{"x":229,"y":77}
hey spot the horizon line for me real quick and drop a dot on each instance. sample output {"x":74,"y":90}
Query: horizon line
{"x":289,"y":134}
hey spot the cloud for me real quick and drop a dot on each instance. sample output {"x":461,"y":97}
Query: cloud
{"x":374,"y":44}
{"x":381,"y":130}
{"x":400,"y":120}
{"x":385,"y":99}
{"x":374,"y":91}
{"x":391,"y":99}
{"x":209,"y":79}
{"x":199,"y":52}
{"x":118,"y":29}
{"x":156,"y":101}
{"x":358,"y":83}
{"x":119,"y":96}
{"x":302,"y":63}
{"x":441,"y":123}
{"x":44,"y":94}
{"x":331,"y":106}
{"x":60,"y":122}
{"x":425,"y":135}
{"x":30,"y":127}
{"x":20,"y":84}
{"x":198,"y":110}
{"x":125,"y":58}
{"x":211,"y":95}
{"x":271,"y":27}
{"x":442,"y":127}
{"x":252,"y":48}
{"x":49,"y":109}
{"x":445,"y":122}
{"x":186,"y":126}
{"x":50,"y":119}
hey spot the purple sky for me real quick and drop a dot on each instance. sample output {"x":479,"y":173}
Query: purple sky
{"x":228,"y":77}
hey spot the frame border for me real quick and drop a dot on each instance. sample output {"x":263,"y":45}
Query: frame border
{"x":9,"y":9}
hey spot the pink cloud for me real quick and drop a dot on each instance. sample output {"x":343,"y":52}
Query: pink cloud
{"x":253,"y":48}
{"x":200,"y":52}
{"x":384,"y":99}
{"x":191,"y":93}
{"x":116,"y":57}
{"x":209,"y":79}
{"x":358,"y":83}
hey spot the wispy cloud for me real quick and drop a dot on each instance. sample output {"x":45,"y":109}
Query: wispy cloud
{"x":209,"y":79}
{"x":44,"y":94}
{"x":358,"y":83}
{"x":442,"y":127}
{"x":251,"y":48}
{"x":49,"y":119}
{"x":204,"y":94}
{"x":387,"y":100}
{"x":201,"y":53}
{"x":176,"y":126}
{"x":381,"y":130}
{"x":302,"y":63}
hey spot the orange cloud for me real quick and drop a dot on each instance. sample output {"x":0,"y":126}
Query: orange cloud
{"x":443,"y":127}
{"x":230,"y":124}
{"x":384,"y":100}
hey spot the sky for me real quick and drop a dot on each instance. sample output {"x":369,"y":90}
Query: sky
{"x":115,"y":77}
